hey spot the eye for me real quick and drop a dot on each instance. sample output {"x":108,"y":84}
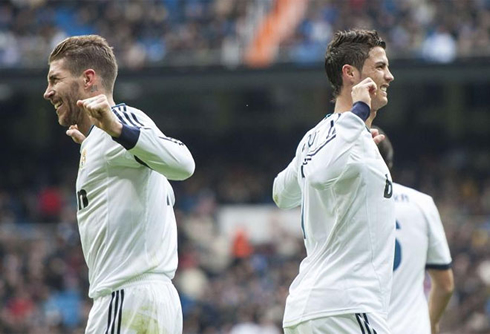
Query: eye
{"x":53,"y":80}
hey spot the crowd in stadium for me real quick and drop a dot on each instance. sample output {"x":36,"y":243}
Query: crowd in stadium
{"x":242,"y":289}
{"x":236,"y":289}
{"x":217,"y":32}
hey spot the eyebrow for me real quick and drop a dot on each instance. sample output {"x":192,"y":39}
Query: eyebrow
{"x":52,"y":76}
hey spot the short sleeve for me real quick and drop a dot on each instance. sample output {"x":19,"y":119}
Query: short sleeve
{"x":438,"y":254}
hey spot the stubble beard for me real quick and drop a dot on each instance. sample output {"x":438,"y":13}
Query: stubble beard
{"x":73,"y":114}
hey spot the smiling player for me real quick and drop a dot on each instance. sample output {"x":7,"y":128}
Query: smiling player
{"x":125,"y":202}
{"x":344,"y":189}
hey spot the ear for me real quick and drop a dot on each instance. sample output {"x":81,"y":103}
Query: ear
{"x":349,"y":74}
{"x":89,"y":78}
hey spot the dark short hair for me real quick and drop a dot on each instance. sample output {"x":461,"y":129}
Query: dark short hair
{"x":349,"y":47}
{"x":385,"y":148}
{"x":89,"y":51}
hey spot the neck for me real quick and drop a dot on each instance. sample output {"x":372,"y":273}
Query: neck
{"x":370,"y":119}
{"x":84,"y":124}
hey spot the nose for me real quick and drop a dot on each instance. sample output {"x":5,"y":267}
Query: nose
{"x":48,"y":93}
{"x":389,"y":77}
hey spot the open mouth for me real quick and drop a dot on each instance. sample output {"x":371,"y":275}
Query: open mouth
{"x":57,"y":105}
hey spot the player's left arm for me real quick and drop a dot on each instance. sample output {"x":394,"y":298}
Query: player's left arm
{"x":438,"y":265}
{"x":440,"y":294}
{"x":141,"y":137}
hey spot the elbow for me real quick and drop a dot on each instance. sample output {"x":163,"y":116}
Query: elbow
{"x":448,"y":284}
{"x":448,"y":288}
{"x":444,"y":282}
{"x":282,"y":198}
{"x":277,"y":200}
{"x":284,"y":203}
{"x":185,"y":171}
{"x":276,"y":196}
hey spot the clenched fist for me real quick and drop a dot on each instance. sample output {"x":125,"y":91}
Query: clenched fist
{"x":364,"y":91}
{"x":101,"y":115}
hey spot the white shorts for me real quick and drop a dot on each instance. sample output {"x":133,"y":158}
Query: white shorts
{"x":144,"y":308}
{"x":358,"y":323}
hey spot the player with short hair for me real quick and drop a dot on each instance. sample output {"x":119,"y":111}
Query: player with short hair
{"x":344,"y":189}
{"x":125,"y":202}
{"x":420,"y":245}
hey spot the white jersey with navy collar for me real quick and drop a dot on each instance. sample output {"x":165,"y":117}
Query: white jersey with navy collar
{"x":125,"y":202}
{"x":420,"y":243}
{"x":344,"y":188}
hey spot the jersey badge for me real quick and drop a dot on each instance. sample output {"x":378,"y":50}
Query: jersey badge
{"x":83,"y":158}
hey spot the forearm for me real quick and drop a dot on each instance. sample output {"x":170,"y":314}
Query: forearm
{"x":440,"y":294}
{"x":165,"y":155}
{"x":438,"y":300}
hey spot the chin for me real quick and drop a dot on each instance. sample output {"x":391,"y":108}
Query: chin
{"x":381,"y":104}
{"x":62,"y":121}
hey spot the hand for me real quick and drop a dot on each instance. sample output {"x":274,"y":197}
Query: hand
{"x":75,"y":134}
{"x":101,"y":115}
{"x":377,"y":137}
{"x":364,"y":91}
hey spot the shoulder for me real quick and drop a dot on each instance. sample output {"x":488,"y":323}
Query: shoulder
{"x":313,"y":132}
{"x":406,"y":194}
{"x":131,"y":116}
{"x":401,"y":189}
{"x":124,"y":108}
{"x":323,"y":130}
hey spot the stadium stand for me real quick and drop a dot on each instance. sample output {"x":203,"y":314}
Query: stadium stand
{"x":242,"y":32}
{"x":43,"y":277}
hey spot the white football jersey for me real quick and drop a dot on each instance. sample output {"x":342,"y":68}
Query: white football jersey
{"x":420,"y":244}
{"x":344,"y":188}
{"x":125,"y":202}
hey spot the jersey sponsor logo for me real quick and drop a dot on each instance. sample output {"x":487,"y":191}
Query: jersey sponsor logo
{"x":388,"y":188}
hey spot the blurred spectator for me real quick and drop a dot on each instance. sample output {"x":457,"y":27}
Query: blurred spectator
{"x":43,"y":278}
{"x":218,"y":32}
{"x":439,"y":46}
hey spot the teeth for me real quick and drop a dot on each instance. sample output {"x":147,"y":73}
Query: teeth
{"x":57,"y":105}
{"x":384,"y":88}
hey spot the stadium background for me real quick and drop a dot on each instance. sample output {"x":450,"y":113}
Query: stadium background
{"x":239,"y":82}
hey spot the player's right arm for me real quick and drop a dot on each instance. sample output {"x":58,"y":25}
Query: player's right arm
{"x":440,"y":294}
{"x":321,"y":165}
